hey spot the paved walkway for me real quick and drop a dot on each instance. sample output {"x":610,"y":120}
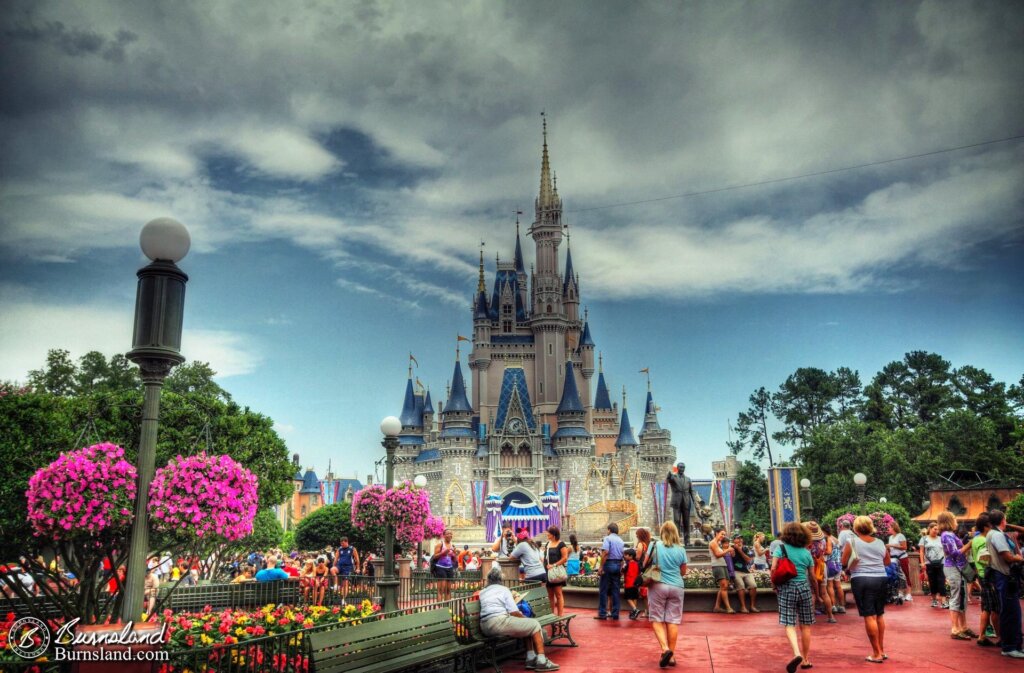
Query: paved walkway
{"x":917,"y":639}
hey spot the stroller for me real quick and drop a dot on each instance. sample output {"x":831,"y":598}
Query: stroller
{"x":896,"y":584}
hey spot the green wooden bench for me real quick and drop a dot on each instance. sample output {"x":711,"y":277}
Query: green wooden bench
{"x":419,"y":640}
{"x":541,"y":606}
{"x":226,"y":595}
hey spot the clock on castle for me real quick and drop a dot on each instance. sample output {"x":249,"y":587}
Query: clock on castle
{"x":540,"y":433}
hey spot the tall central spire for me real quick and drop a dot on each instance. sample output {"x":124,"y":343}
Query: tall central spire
{"x":547,"y":190}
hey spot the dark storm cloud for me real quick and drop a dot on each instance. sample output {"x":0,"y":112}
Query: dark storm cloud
{"x":413,"y":128}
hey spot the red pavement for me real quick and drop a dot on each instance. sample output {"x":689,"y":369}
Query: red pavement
{"x":917,"y":639}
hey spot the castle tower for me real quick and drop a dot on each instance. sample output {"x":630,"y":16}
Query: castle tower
{"x":480,"y":356}
{"x":571,"y":442}
{"x":549,"y":322}
{"x":604,"y":416}
{"x":410,"y":439}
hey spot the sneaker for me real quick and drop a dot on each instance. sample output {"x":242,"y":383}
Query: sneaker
{"x":990,"y":632}
{"x":1016,"y":654}
{"x":634,"y":614}
{"x":935,"y":604}
{"x":531,"y":664}
{"x":601,"y":617}
{"x":549,"y":665}
{"x":908,"y":598}
{"x":945,"y":605}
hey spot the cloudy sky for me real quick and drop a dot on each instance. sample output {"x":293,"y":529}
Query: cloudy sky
{"x":338,"y":165}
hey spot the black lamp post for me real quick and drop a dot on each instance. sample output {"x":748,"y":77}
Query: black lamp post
{"x":805,"y":497}
{"x":860,"y":480}
{"x":159,"y":309}
{"x":390,"y":427}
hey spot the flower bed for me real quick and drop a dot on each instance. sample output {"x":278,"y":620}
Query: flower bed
{"x":208,"y":627}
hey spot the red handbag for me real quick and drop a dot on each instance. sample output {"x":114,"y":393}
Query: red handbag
{"x":784,"y":571}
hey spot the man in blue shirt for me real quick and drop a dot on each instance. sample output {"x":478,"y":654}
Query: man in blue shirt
{"x":610,"y":573}
{"x":271,"y":572}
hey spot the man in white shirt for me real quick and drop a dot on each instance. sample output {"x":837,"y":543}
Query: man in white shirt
{"x":500,"y":616}
{"x":1003,"y":553}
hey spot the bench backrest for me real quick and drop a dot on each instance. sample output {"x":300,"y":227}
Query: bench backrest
{"x":473,"y":621}
{"x":351,"y":648}
{"x":539,"y":602}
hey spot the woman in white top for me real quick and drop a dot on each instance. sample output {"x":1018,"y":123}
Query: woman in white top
{"x":868,"y":582}
{"x":898,"y":550}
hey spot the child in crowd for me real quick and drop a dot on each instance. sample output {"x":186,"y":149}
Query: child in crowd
{"x":631,"y":581}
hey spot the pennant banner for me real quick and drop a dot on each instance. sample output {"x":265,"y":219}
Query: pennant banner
{"x":479,"y":493}
{"x":783,"y":496}
{"x":658,"y":488}
{"x":562,"y":490}
{"x":726,"y":489}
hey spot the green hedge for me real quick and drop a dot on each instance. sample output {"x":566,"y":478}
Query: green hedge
{"x":1015,"y":511}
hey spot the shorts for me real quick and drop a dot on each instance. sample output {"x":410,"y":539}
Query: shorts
{"x":442,"y":573}
{"x":507,"y":625}
{"x":989,"y":596}
{"x":665,"y":603}
{"x":631,"y":593}
{"x":957,"y":592}
{"x":720,"y":573}
{"x":344,"y":571}
{"x":796,"y":604}
{"x":870,"y":593}
{"x":745,"y":581}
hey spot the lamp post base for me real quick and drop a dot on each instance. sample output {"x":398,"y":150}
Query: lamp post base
{"x":388,"y":587}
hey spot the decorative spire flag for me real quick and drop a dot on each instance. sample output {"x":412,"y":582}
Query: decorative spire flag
{"x":459,"y":337}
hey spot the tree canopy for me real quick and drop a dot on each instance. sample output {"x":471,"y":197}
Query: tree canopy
{"x":67,"y":405}
{"x":917,"y":419}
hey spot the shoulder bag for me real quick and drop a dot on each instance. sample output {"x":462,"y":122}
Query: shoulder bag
{"x":785,"y":569}
{"x":652,"y":571}
{"x":556,"y":574}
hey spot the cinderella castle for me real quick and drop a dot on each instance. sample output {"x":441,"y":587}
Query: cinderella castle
{"x":535,"y":438}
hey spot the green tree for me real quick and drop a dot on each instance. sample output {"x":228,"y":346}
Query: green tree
{"x":752,"y":497}
{"x":803,"y":402}
{"x":328,"y":524}
{"x":1015,"y":511}
{"x":752,"y":427}
{"x":57,"y":376}
{"x":36,"y":427}
{"x":196,"y":378}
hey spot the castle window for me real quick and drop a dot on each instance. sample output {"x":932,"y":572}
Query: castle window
{"x":549,"y":308}
{"x":551,"y":348}
{"x":506,"y":326}
{"x":506,"y":309}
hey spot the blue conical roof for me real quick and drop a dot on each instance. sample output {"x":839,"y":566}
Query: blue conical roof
{"x":650,"y":416}
{"x":310,"y":483}
{"x":569,"y":276}
{"x":625,"y":431}
{"x":586,"y":339}
{"x":602,"y":400}
{"x":428,"y":405}
{"x":457,"y":400}
{"x":480,"y":309}
{"x":409,"y":416}
{"x":570,"y":394}
{"x":519,"y":254}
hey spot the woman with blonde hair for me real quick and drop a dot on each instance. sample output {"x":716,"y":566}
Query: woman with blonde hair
{"x":952,"y":565}
{"x":869,"y":582}
{"x":665,"y":597}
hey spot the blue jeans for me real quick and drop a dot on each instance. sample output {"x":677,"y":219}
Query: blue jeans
{"x":611,"y":578}
{"x":1009,"y":610}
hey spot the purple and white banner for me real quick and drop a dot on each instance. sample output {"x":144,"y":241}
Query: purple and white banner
{"x":479,"y":493}
{"x":658,"y":489}
{"x":726,"y":489}
{"x":549,"y":506}
{"x":492,"y":524}
{"x":562,"y":489}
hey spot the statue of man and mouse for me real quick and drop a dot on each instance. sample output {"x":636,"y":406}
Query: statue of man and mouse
{"x":684,"y":500}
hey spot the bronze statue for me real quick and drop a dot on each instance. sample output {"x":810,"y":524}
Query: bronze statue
{"x":684,"y":500}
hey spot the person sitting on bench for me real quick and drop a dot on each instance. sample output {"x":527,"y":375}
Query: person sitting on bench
{"x":500,"y":616}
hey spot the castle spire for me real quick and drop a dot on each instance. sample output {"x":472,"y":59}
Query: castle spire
{"x":602,"y":400}
{"x":625,"y":431}
{"x":480,"y":286}
{"x":520,"y":267}
{"x":457,"y":400}
{"x":570,"y":394}
{"x":547,"y":191}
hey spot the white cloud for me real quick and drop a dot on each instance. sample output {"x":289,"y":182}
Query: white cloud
{"x":283,"y":153}
{"x":30,"y":327}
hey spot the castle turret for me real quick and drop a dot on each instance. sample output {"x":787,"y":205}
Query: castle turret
{"x":458,"y":414}
{"x":625,"y":439}
{"x":412,"y":420}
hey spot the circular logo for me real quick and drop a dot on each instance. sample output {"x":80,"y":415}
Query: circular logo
{"x":29,"y":637}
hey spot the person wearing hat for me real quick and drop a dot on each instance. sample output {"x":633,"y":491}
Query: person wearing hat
{"x":500,"y":616}
{"x":529,"y":558}
{"x":821,"y":549}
